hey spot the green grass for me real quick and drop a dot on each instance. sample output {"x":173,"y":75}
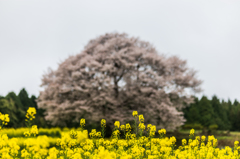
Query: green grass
{"x":225,"y":137}
{"x":235,"y":133}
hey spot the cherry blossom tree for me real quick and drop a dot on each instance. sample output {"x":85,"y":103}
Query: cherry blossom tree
{"x":114,"y":75}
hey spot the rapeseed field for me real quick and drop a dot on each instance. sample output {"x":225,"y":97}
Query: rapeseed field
{"x":79,"y":144}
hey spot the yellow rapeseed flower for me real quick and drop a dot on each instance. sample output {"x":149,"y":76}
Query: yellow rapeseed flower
{"x":117,"y":124}
{"x":184,"y":142}
{"x":236,"y":143}
{"x":34,"y":130}
{"x":73,"y":134}
{"x":128,"y":127}
{"x":135,"y":113}
{"x":99,"y":134}
{"x":30,"y":113}
{"x":103,"y":123}
{"x":162,"y":131}
{"x":141,"y":126}
{"x":93,"y":133}
{"x":6,"y":118}
{"x":82,"y":122}
{"x":77,"y":145}
{"x":203,"y":138}
{"x":191,"y":132}
{"x":122,"y":127}
{"x":149,"y":126}
{"x":153,"y":128}
{"x":141,"y":118}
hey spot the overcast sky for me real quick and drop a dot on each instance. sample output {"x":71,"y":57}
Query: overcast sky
{"x":37,"y":34}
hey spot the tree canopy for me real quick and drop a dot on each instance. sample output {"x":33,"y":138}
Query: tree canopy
{"x":113,"y":76}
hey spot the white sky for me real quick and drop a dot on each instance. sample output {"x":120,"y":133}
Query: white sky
{"x":37,"y":34}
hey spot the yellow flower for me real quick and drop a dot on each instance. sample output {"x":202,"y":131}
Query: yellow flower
{"x":148,"y":152}
{"x":133,"y":136}
{"x":87,"y":153}
{"x":184,"y":142}
{"x":4,"y":119}
{"x":103,"y":123}
{"x":122,"y":127}
{"x":173,"y":140}
{"x":153,"y":128}
{"x":203,"y":138}
{"x":99,"y":134}
{"x":115,"y":133}
{"x":6,"y":116}
{"x":1,"y":116}
{"x":117,"y":124}
{"x":93,"y":133}
{"x":27,"y":133}
{"x":141,"y":126}
{"x":73,"y":134}
{"x":162,"y":131}
{"x":34,"y":130}
{"x":236,"y":143}
{"x":152,"y":133}
{"x":191,"y":132}
{"x":82,"y":122}
{"x":149,"y":126}
{"x":141,"y":118}
{"x":128,"y":127}
{"x":135,"y":113}
{"x":30,"y":113}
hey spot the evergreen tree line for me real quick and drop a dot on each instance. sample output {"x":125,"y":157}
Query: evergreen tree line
{"x":17,"y":105}
{"x":213,"y":113}
{"x":204,"y":113}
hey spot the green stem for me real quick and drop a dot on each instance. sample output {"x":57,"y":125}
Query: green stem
{"x":103,"y":132}
{"x":136,"y":125}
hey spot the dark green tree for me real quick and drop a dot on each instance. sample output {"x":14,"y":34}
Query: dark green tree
{"x":231,"y":114}
{"x":7,"y":107}
{"x":220,"y":115}
{"x":234,"y":115}
{"x":229,"y":102}
{"x":33,"y":99}
{"x":25,"y":100}
{"x":16,"y":107}
{"x":206,"y":112}
{"x":236,"y":124}
{"x":40,"y":121}
{"x":236,"y":103}
{"x":191,"y":113}
{"x":20,"y":113}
